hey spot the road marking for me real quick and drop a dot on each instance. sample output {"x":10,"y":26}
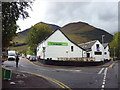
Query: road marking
{"x":104,"y":79}
{"x":32,"y":63}
{"x":111,"y":65}
{"x":103,"y":86}
{"x":48,"y":78}
{"x":74,"y":70}
{"x":100,"y":71}
{"x":103,"y":82}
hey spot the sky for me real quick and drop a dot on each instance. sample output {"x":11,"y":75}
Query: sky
{"x":103,"y":15}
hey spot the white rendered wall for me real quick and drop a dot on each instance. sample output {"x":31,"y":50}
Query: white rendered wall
{"x":55,"y":52}
{"x":98,"y":57}
{"x":107,"y":56}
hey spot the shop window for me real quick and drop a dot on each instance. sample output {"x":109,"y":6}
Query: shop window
{"x":71,"y":48}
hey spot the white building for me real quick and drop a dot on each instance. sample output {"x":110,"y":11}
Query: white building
{"x":58,"y":45}
{"x":94,"y":49}
{"x":106,"y":51}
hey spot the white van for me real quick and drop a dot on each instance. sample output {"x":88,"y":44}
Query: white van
{"x":11,"y":55}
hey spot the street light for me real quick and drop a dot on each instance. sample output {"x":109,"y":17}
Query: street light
{"x":102,"y":38}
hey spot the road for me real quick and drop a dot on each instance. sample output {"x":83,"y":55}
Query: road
{"x":106,"y":77}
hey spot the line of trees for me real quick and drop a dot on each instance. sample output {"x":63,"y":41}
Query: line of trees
{"x":115,"y":45}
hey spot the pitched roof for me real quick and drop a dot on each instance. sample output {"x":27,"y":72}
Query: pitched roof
{"x":87,"y":46}
{"x":105,"y":45}
{"x":64,"y":35}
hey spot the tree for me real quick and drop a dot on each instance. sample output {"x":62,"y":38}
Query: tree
{"x":37,"y":34}
{"x":115,"y":45}
{"x":29,"y":51}
{"x":11,"y":12}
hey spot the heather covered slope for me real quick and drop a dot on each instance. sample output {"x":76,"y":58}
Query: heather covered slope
{"x":81,"y":32}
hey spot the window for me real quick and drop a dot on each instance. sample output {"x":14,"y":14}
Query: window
{"x":97,"y":47}
{"x":98,"y":53}
{"x":37,"y":49}
{"x":105,"y":53}
{"x":71,"y":48}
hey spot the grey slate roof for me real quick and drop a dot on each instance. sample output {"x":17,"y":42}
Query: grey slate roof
{"x":87,"y":46}
{"x":105,"y":45}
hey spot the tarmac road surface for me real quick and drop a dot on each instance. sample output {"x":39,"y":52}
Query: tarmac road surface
{"x":104,"y":77}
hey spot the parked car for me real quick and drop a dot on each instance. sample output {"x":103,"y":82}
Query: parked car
{"x":22,"y":56}
{"x":32,"y":58}
{"x":28,"y":56}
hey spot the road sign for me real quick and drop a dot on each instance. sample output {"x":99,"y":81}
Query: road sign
{"x":58,"y":43}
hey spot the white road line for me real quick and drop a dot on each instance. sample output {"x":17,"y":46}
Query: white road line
{"x":100,"y":71}
{"x":104,"y":79}
{"x":103,"y":86}
{"x":105,"y":72}
{"x":103,"y":82}
{"x":69,"y":70}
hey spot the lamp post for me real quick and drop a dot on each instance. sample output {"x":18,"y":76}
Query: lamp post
{"x":103,"y":38}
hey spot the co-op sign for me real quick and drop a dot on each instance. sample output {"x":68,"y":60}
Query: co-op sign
{"x":57,"y":43}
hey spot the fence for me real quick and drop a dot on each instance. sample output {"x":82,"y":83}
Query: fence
{"x":75,"y":59}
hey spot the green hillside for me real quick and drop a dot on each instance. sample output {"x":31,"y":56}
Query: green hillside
{"x":82,"y":32}
{"x":78,"y":32}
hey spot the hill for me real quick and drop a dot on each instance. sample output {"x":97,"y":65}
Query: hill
{"x":24,"y":33}
{"x":81,"y":32}
{"x":78,"y":32}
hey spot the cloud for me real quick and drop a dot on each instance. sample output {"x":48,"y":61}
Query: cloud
{"x":100,"y":14}
{"x":103,"y":15}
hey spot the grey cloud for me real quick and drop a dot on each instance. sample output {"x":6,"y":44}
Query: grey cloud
{"x":102,"y":15}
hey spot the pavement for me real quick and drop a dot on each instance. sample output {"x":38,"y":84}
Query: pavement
{"x":25,"y":80}
{"x":105,"y":76}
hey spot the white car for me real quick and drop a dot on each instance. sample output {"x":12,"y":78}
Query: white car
{"x":28,"y":56}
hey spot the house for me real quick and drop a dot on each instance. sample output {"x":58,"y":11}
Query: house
{"x":106,"y":51}
{"x":93,"y":49}
{"x":58,"y":46}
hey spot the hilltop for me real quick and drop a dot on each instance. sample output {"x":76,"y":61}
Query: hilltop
{"x":78,"y":32}
{"x":81,"y":32}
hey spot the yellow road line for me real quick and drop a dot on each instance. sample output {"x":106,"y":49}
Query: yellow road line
{"x":50,"y":78}
{"x":45,"y":78}
{"x":111,"y":65}
{"x":53,"y":80}
{"x":32,"y":63}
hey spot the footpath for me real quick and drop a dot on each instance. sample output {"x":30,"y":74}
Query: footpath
{"x":25,"y":81}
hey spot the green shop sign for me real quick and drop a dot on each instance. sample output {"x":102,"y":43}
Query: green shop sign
{"x":58,"y":43}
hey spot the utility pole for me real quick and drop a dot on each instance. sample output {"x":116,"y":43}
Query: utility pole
{"x":103,"y":38}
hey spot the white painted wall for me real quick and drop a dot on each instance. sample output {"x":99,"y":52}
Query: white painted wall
{"x":97,"y":57}
{"x":107,"y":56}
{"x":59,"y":51}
